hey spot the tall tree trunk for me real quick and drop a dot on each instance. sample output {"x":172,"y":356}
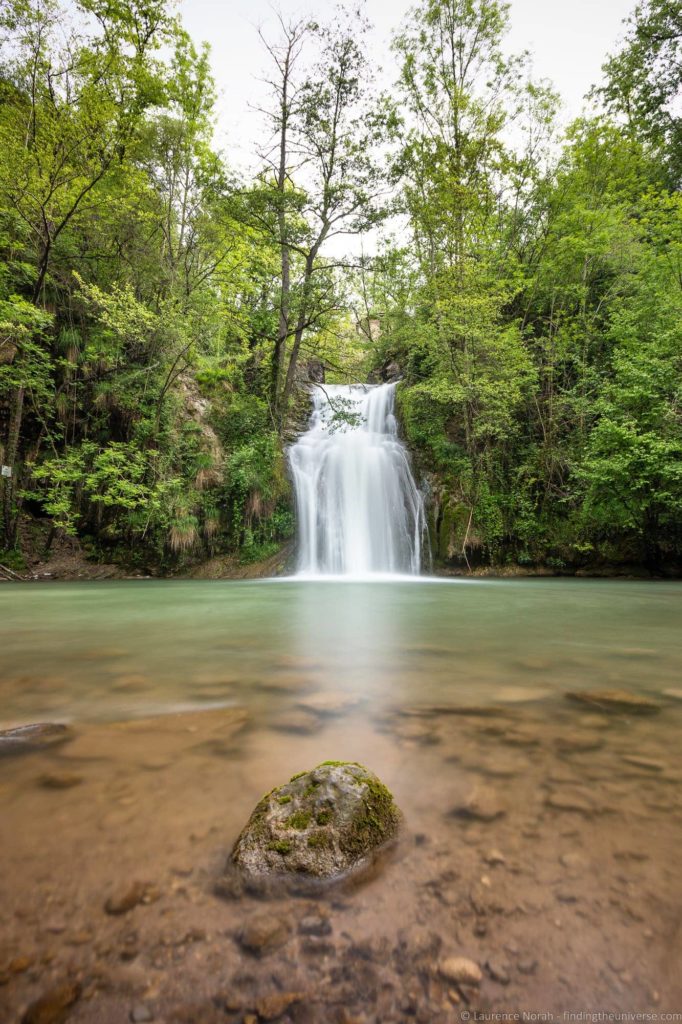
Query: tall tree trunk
{"x":300,"y":326}
{"x":293,"y":35}
{"x":10,"y":459}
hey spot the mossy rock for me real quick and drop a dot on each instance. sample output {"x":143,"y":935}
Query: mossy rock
{"x":320,"y":826}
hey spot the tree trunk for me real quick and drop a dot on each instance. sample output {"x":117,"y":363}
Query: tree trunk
{"x":10,"y":483}
{"x":300,"y":327}
{"x":279,"y":353}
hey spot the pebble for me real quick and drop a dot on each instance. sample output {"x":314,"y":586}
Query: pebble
{"x":52,"y":1007}
{"x":416,"y":731}
{"x":140,"y":1014}
{"x":573,"y":861}
{"x":518,"y":738}
{"x":460,"y":971}
{"x":263,"y":933}
{"x":130,"y":978}
{"x":20,"y":964}
{"x":272,"y":1007}
{"x":312,"y":946}
{"x":302,"y":722}
{"x":420,"y":941}
{"x":497,"y":970}
{"x":578,"y":743}
{"x":315,"y":925}
{"x":494,"y":857}
{"x":482,"y":804}
{"x":527,"y":966}
{"x":138,"y":892}
{"x":571,"y":800}
{"x":333,"y":703}
{"x":60,"y":780}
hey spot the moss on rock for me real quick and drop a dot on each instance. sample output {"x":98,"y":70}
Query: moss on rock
{"x":322,"y":824}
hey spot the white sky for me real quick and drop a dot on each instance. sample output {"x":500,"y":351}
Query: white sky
{"x":569,"y":40}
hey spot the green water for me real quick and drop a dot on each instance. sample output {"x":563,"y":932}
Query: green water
{"x":538,"y":833}
{"x":116,"y":650}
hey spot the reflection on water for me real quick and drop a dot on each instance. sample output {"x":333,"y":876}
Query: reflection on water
{"x":541,"y":835}
{"x":114,"y":650}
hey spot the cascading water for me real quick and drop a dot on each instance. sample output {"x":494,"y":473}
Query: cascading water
{"x":359,"y":511}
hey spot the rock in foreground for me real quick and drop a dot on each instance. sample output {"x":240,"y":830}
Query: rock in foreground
{"x":321,"y":825}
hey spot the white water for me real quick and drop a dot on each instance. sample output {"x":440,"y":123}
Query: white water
{"x":359,"y":512}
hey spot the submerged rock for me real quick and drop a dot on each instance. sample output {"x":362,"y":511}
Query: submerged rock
{"x":460,"y":971}
{"x":321,"y":825}
{"x":59,"y":780}
{"x":615,"y":700}
{"x":53,"y":1007}
{"x":575,"y":800}
{"x":482,"y":804}
{"x":25,"y":738}
{"x":272,"y":1007}
{"x":130,"y":896}
{"x":302,"y":722}
{"x":263,"y":933}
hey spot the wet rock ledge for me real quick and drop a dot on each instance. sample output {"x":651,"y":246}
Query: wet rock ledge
{"x":319,"y":827}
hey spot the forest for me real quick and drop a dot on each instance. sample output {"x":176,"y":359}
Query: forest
{"x":163,"y":317}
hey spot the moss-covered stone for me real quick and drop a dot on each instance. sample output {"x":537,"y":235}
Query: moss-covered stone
{"x":322,"y":824}
{"x":299,"y":819}
{"x":282,"y":846}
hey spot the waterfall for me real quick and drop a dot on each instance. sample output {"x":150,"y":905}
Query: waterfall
{"x":359,"y":511}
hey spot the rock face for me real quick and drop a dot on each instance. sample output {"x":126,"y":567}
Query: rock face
{"x":321,"y":825}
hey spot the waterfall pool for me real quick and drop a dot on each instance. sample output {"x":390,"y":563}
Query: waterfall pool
{"x":541,"y":836}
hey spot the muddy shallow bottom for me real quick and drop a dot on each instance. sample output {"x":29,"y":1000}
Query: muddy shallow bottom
{"x":541,"y":836}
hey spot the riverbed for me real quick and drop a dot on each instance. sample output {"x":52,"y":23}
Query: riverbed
{"x":541,"y":834}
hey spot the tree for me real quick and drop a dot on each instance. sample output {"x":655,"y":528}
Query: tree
{"x":68,"y":116}
{"x":465,"y":188}
{"x":327,"y":179}
{"x":644,"y":80}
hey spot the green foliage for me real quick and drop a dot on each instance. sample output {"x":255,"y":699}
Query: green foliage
{"x":128,"y":403}
{"x":539,"y":338}
{"x":643,"y":80}
{"x":155,"y":311}
{"x":258,"y":496}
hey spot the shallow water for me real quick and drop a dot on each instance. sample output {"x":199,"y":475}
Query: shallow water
{"x":188,"y":700}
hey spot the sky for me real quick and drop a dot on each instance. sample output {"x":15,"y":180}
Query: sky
{"x":569,"y":40}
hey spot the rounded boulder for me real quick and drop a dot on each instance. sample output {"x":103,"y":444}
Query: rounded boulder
{"x":321,"y":825}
